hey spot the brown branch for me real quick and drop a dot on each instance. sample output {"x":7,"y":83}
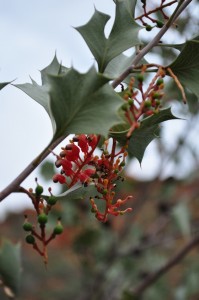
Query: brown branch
{"x":153,"y":277}
{"x":181,"y":6}
{"x":156,"y":9}
{"x":14,"y":185}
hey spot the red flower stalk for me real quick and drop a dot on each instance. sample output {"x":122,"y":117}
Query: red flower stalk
{"x":140,"y":103}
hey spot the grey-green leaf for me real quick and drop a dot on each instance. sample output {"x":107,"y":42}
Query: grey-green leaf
{"x":78,"y":191}
{"x":75,"y":102}
{"x":186,"y":66}
{"x":38,"y":93}
{"x":141,"y":137}
{"x":124,"y":33}
{"x":178,"y":46}
{"x":119,"y":64}
{"x":10,"y":265}
{"x":53,"y":69}
{"x":83,"y":103}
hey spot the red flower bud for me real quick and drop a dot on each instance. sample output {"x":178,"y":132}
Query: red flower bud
{"x":73,"y":153}
{"x":83,"y":143}
{"x":59,"y":178}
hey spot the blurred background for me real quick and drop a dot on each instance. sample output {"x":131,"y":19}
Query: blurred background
{"x":92,"y":260}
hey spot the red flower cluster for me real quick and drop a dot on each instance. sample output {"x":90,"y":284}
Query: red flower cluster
{"x":74,"y":160}
{"x":78,"y":163}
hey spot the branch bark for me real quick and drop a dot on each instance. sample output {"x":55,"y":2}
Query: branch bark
{"x":14,"y":185}
{"x":151,"y":278}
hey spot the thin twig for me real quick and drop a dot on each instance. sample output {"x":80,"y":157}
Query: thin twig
{"x":154,"y":42}
{"x":153,"y":277}
{"x":179,"y":85}
{"x":14,"y":185}
{"x":156,"y":9}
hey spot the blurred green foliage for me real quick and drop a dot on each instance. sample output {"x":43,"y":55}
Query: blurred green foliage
{"x":94,"y":261}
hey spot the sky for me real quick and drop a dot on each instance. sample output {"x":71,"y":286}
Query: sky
{"x":31,"y":33}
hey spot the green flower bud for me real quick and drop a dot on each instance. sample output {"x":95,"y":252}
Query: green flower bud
{"x":105,"y":191}
{"x":58,"y":229}
{"x":52,"y":200}
{"x":147,"y":103}
{"x":30,"y":239}
{"x":160,"y":24}
{"x":130,"y":102}
{"x":156,"y":96}
{"x":148,"y":27}
{"x":140,"y":77}
{"x":122,"y":164}
{"x":27,"y":226}
{"x":42,"y":219}
{"x":157,"y":102}
{"x":160,"y":81}
{"x":125,"y":107}
{"x":39,"y":190}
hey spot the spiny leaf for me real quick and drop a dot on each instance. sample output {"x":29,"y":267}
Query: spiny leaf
{"x":10,"y":266}
{"x":3,"y":84}
{"x":41,"y":93}
{"x":148,"y":131}
{"x":75,"y":102}
{"x":124,"y":33}
{"x":83,"y":103}
{"x":186,"y":66}
{"x":141,"y":137}
{"x":53,"y":69}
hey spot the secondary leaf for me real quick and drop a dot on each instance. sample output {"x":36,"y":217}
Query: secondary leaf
{"x":186,"y":66}
{"x":124,"y":33}
{"x":178,"y":46}
{"x":141,"y":137}
{"x":171,"y":92}
{"x":119,"y":64}
{"x":10,"y":266}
